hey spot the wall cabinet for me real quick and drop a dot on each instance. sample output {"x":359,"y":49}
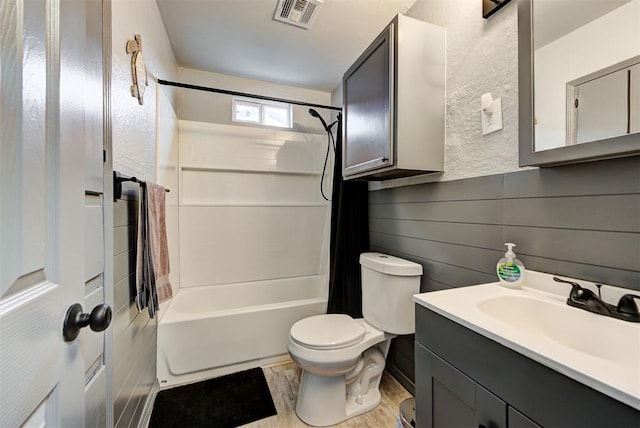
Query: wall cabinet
{"x":464,"y":379}
{"x":604,"y":104}
{"x":394,"y":103}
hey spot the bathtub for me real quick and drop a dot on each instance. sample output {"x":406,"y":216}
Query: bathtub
{"x":215,"y":330}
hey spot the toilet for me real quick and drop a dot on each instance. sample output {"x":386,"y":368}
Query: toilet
{"x":342,"y":359}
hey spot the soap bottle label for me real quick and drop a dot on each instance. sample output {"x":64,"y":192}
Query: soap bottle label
{"x":509,"y":272}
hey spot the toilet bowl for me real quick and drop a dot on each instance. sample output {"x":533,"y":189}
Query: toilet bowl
{"x":342,"y":359}
{"x":332,"y":370}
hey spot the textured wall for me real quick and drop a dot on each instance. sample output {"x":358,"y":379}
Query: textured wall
{"x":134,"y":125}
{"x":482,"y":56}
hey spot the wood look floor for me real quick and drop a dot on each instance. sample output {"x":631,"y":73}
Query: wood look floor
{"x":283,"y":383}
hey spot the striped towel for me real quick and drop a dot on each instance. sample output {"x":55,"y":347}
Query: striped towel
{"x":152,"y":262}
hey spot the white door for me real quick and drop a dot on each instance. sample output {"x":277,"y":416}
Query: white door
{"x":51,"y":212}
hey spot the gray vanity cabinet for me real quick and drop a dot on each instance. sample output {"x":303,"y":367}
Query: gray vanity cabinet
{"x":518,"y":420}
{"x":449,"y":398}
{"x":465,"y":379}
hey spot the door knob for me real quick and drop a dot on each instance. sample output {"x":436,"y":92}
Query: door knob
{"x":98,"y":320}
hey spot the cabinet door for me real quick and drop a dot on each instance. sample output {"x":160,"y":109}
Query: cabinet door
{"x":601,"y":107}
{"x":634,"y":99}
{"x":445,"y":397}
{"x":518,"y":420}
{"x":368,"y":104}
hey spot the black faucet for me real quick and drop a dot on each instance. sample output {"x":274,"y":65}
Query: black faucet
{"x":626,"y":305}
{"x":586,"y":299}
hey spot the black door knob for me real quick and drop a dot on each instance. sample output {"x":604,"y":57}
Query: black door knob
{"x":98,"y":320}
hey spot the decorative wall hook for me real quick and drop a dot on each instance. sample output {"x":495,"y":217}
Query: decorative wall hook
{"x":138,"y":69}
{"x":489,"y":7}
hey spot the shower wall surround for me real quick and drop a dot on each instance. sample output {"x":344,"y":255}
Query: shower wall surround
{"x":250,"y":204}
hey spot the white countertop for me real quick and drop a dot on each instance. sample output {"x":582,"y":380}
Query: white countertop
{"x":598,"y":351}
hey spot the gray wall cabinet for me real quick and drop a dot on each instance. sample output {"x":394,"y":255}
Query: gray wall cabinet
{"x":394,"y":103}
{"x":464,"y":379}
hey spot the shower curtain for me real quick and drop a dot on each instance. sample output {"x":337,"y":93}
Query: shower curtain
{"x":349,"y":238}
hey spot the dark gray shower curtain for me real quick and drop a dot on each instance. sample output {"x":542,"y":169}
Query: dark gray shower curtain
{"x":349,"y":238}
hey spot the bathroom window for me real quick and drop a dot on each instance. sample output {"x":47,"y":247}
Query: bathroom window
{"x":267,"y":113}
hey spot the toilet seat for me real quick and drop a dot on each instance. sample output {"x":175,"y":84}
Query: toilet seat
{"x":327,"y":332}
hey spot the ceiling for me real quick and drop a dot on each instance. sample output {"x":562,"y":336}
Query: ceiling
{"x":555,"y":18}
{"x":240,"y":38}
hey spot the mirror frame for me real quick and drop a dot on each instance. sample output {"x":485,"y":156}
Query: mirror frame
{"x":625,"y":145}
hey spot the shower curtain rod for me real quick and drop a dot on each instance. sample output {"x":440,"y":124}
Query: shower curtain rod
{"x":243,"y":94}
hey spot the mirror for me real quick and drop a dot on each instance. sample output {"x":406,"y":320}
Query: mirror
{"x":579,"y":80}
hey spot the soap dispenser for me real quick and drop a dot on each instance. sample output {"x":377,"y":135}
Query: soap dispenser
{"x":510,"y":270}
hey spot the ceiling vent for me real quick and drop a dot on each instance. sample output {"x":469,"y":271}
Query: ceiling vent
{"x":300,"y":13}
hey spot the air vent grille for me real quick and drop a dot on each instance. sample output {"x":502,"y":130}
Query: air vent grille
{"x":286,"y":8}
{"x":301,"y":13}
{"x":308,"y":13}
{"x":300,"y":4}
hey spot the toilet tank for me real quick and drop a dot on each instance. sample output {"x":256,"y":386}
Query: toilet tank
{"x":388,"y":285}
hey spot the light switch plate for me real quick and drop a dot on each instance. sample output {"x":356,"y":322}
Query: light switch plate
{"x":492,"y":123}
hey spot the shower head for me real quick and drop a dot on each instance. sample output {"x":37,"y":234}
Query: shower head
{"x":314,"y":113}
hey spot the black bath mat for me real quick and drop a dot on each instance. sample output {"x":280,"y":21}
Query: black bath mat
{"x":227,"y":401}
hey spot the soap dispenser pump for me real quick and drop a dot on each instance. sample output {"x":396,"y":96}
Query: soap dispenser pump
{"x":510,"y":270}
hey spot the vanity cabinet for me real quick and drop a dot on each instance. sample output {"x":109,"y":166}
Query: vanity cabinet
{"x":464,"y":379}
{"x":449,"y":398}
{"x":394,"y":104}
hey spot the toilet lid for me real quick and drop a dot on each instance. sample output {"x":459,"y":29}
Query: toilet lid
{"x":332,"y":331}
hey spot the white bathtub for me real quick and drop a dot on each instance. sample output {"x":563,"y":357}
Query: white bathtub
{"x":215,"y":330}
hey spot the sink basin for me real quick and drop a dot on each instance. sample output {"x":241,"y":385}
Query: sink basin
{"x":594,"y":335}
{"x":601,"y":352}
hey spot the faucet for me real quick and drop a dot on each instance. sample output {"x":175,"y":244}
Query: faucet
{"x":583,"y":298}
{"x":626,"y":305}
